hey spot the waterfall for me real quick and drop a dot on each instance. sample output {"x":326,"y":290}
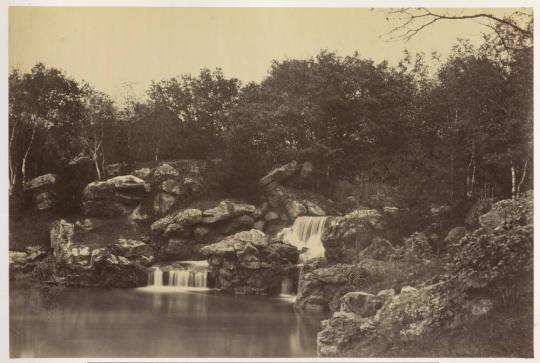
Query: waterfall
{"x":287,"y":287}
{"x":187,"y":274}
{"x":306,"y":233}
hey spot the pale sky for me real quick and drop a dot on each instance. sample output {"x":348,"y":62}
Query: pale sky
{"x":110,"y":46}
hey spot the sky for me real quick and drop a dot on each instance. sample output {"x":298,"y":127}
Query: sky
{"x":109,"y":47}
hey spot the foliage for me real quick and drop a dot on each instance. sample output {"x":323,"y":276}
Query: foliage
{"x":457,"y":132}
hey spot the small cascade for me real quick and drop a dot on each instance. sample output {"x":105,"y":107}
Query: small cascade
{"x":186,"y":274}
{"x":287,"y":287}
{"x":306,"y":233}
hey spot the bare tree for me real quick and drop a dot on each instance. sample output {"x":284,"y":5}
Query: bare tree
{"x":411,"y":21}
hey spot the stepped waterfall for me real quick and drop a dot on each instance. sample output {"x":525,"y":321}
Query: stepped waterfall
{"x":188,"y":274}
{"x":306,"y":233}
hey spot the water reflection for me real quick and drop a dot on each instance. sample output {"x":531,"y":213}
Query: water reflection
{"x":78,"y":322}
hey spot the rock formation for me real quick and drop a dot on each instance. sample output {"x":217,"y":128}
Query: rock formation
{"x":250,"y":263}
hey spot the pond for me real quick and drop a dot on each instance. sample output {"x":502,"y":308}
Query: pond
{"x":148,"y":322}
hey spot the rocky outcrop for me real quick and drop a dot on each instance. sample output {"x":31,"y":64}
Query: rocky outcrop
{"x":25,"y":261}
{"x":183,"y":233}
{"x":120,"y":264}
{"x":43,"y":190}
{"x":174,"y":184}
{"x":113,"y":197}
{"x":496,"y":257}
{"x":344,"y":237}
{"x":287,"y":197}
{"x":250,"y":263}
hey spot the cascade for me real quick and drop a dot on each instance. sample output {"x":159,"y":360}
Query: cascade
{"x":189,"y":274}
{"x":287,"y":287}
{"x":306,"y":233}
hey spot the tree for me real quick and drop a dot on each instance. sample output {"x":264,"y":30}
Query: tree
{"x":43,"y":107}
{"x":98,"y":113}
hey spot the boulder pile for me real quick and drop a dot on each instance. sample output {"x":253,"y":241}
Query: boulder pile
{"x":249,"y":262}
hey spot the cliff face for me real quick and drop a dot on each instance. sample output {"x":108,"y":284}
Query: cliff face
{"x":480,"y":305}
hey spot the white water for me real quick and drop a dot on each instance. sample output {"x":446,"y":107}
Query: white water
{"x":306,"y":233}
{"x":188,"y":275}
{"x":287,"y":287}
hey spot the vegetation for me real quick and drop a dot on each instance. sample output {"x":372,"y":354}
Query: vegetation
{"x":458,"y":131}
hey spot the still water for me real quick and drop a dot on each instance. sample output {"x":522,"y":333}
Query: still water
{"x":94,"y":322}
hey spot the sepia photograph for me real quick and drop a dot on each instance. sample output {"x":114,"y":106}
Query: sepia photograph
{"x":268,"y":182}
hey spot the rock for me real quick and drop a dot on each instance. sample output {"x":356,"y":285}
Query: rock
{"x":271,"y":215}
{"x":172,"y":186}
{"x":343,"y":237}
{"x":246,"y":263}
{"x":259,"y":225}
{"x":61,"y":235}
{"x":138,"y":215}
{"x":371,"y":216}
{"x":44,"y":200}
{"x":76,"y":264}
{"x":115,"y":196}
{"x":295,"y":209}
{"x":253,"y":236}
{"x":454,"y":235}
{"x":200,"y":232}
{"x":279,"y":174}
{"x":313,"y":209}
{"x":143,"y":173}
{"x":177,"y":249}
{"x":362,"y":303}
{"x":177,"y":229}
{"x":240,"y":223}
{"x":131,"y":248}
{"x":165,"y":170}
{"x":480,"y":207}
{"x":417,"y":246}
{"x":41,"y":181}
{"x":491,"y":219}
{"x":42,"y":189}
{"x":337,"y":274}
{"x":163,"y":203}
{"x":115,"y":169}
{"x":227,"y":209}
{"x":186,"y":217}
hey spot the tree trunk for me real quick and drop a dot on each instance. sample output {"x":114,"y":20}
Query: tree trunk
{"x":96,"y":164}
{"x":23,"y":166}
{"x":513,"y":172}
{"x":518,"y":192}
{"x":12,"y":172}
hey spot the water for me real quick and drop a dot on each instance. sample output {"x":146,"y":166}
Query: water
{"x":185,"y":274}
{"x":100,"y":322}
{"x":306,"y":233}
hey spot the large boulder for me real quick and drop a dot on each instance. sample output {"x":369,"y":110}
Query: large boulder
{"x":249,"y":263}
{"x":279,"y":174}
{"x":113,"y":197}
{"x":321,"y":286}
{"x":186,"y":217}
{"x":344,"y":237}
{"x":121,"y":264}
{"x":41,"y":181}
{"x":227,"y":209}
{"x":43,"y":191}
